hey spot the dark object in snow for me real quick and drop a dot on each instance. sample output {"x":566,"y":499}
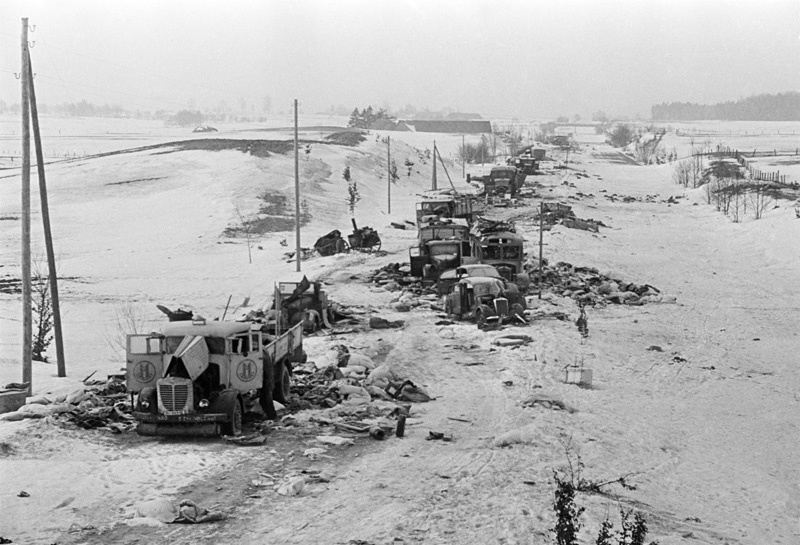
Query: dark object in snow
{"x":407,"y":391}
{"x":548,"y":402}
{"x":251,"y":440}
{"x":331,"y":244}
{"x":205,"y":128}
{"x":401,"y":426}
{"x":191,"y":513}
{"x":365,"y":239}
{"x":381,"y":323}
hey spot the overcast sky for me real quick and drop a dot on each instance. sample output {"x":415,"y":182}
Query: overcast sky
{"x":529,"y":59}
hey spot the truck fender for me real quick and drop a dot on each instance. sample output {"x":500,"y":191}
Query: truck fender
{"x":149,"y":396}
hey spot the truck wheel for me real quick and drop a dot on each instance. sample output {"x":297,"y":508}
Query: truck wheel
{"x":234,"y":411}
{"x":480,"y":319}
{"x":283,"y":383}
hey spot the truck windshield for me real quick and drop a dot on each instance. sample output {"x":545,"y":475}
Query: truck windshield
{"x":216,"y":345}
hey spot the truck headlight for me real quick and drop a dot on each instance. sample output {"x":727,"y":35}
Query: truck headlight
{"x":203,"y":403}
{"x":144,"y":403}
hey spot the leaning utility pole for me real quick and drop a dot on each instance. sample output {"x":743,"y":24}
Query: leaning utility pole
{"x":27,"y":313}
{"x":389,"y":174}
{"x":541,"y":239}
{"x":48,"y":237}
{"x":296,"y":190}
{"x":433,"y":183}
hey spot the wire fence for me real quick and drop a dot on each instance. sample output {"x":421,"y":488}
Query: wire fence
{"x":746,"y":160}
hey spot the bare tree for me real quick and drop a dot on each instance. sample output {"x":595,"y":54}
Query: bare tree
{"x":695,"y":170}
{"x":761,"y":198}
{"x":128,"y":320}
{"x":647,"y":150}
{"x":245,"y":226}
{"x":737,"y":200}
{"x":681,"y":173}
{"x":42,"y":309}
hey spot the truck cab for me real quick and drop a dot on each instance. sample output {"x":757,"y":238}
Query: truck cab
{"x":506,"y":252}
{"x":502,"y":180}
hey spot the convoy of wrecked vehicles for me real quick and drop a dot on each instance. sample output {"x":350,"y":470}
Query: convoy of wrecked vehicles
{"x":198,"y":378}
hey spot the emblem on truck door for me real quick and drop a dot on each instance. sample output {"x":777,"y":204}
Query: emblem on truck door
{"x":246,"y":370}
{"x":144,"y":371}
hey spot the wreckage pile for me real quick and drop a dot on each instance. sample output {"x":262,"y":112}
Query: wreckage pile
{"x":98,"y":404}
{"x":340,"y":377}
{"x":588,"y":286}
{"x":557,"y":213}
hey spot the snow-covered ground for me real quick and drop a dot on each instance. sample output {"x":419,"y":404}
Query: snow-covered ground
{"x":706,"y":426}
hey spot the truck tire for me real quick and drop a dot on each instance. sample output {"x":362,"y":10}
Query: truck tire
{"x":233,"y":409}
{"x":283,"y":383}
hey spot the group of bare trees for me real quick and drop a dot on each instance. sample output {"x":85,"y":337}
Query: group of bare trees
{"x":484,"y":151}
{"x":727,"y":185}
{"x":689,"y":172}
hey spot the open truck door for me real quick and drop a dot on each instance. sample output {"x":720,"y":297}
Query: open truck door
{"x":145,"y":361}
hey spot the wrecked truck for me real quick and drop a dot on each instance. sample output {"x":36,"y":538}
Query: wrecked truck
{"x":485,"y":300}
{"x":198,"y":378}
{"x":300,"y":302}
{"x":442,"y":245}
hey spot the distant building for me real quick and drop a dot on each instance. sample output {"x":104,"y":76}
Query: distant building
{"x":446,"y":126}
{"x":461,"y":116}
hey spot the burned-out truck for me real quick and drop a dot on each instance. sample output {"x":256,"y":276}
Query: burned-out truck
{"x":198,"y":378}
{"x":442,"y":245}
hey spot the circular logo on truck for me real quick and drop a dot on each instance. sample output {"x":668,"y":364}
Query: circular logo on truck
{"x":246,"y":370}
{"x":144,"y":371}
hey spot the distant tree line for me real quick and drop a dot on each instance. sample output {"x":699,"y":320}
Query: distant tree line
{"x":779,"y":107}
{"x":368,"y":118}
{"x":84,"y":108}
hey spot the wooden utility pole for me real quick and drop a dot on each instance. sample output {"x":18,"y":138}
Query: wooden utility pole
{"x":48,"y":237}
{"x":433,"y":182}
{"x":541,"y":239}
{"x":389,"y":174}
{"x":296,"y":190}
{"x":27,"y":314}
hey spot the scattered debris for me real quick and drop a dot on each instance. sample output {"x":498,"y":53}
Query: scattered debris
{"x":587,"y":285}
{"x":293,"y":486}
{"x":191,"y":513}
{"x":251,"y":440}
{"x":381,"y":323}
{"x":97,"y":405}
{"x":335,"y":440}
{"x":548,"y":401}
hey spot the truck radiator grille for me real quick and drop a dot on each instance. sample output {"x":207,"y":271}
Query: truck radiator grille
{"x":501,"y":306}
{"x":173,"y":397}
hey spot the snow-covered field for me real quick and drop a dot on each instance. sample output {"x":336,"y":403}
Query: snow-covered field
{"x":706,"y":427}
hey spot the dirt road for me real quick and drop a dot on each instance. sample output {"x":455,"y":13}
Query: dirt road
{"x":695,"y":401}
